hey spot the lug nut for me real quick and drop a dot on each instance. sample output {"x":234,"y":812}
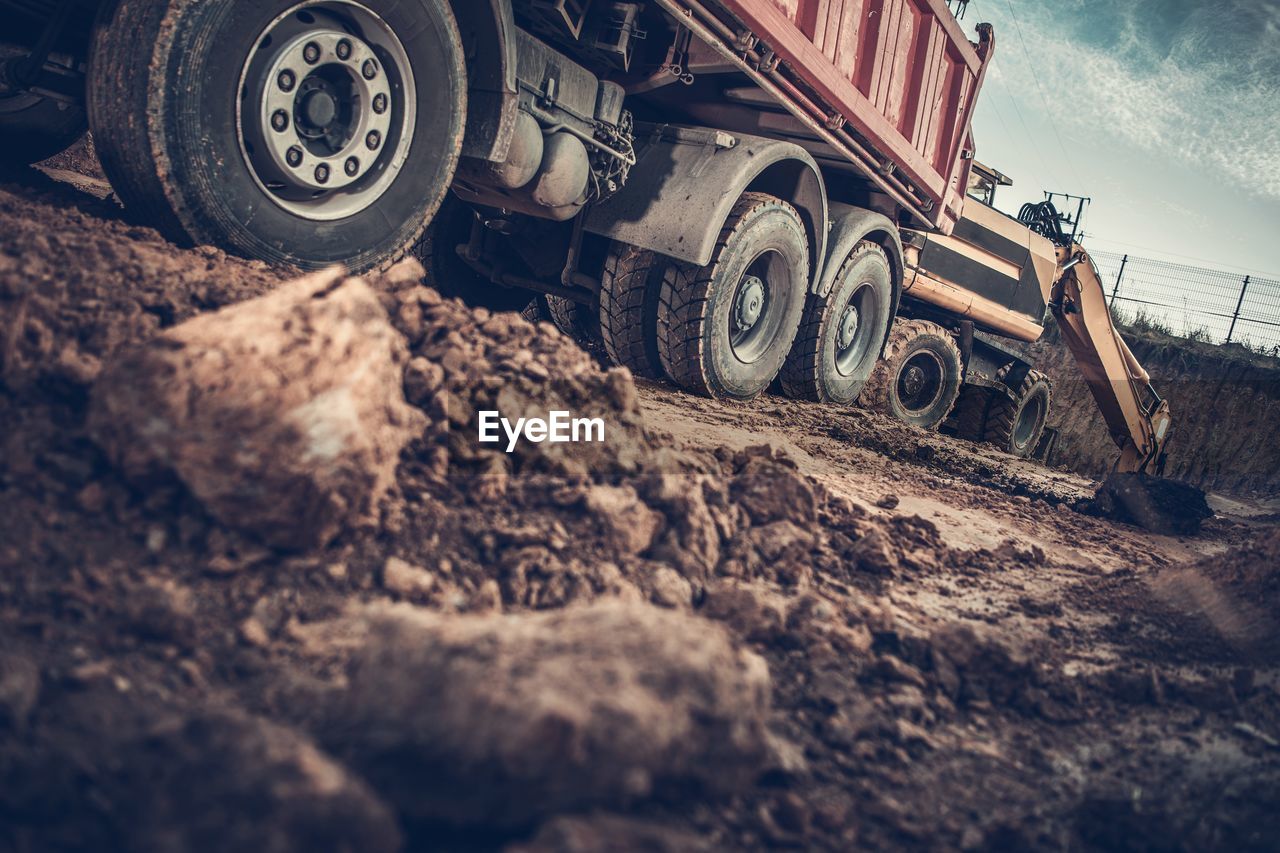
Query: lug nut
{"x":280,"y":120}
{"x":379,"y":103}
{"x":373,"y":140}
{"x":344,"y":50}
{"x":286,"y":81}
{"x":352,"y":166}
{"x":370,"y":69}
{"x":322,"y":174}
{"x":311,"y":53}
{"x":294,"y":156}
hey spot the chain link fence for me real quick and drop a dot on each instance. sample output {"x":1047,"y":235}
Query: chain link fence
{"x":1193,"y":302}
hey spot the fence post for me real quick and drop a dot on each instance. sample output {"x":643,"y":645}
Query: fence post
{"x":1236,"y":316}
{"x":1119,"y":276}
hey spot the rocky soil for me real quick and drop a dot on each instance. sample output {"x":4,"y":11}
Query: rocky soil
{"x":262,"y":589}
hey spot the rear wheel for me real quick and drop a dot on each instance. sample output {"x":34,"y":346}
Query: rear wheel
{"x":725,"y":329}
{"x":629,"y":292}
{"x":33,"y":127}
{"x":1015,"y":425}
{"x":968,"y":420}
{"x":841,"y":333}
{"x":919,"y":377}
{"x":448,"y":273}
{"x":572,"y":318}
{"x":302,"y":133}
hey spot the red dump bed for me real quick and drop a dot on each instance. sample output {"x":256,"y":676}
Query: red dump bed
{"x":890,"y":84}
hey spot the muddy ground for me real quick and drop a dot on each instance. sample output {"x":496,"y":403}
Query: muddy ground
{"x":726,"y":627}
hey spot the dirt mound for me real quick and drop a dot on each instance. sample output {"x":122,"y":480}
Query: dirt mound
{"x":154,"y":654}
{"x":285,"y":416}
{"x":1252,"y":572}
{"x":1238,"y":593}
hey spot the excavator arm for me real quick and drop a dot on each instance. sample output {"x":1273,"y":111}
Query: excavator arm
{"x":1137,"y":418}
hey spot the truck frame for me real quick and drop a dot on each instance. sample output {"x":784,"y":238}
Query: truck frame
{"x":727,"y":192}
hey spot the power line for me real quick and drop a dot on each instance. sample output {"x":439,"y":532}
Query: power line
{"x":1053,"y":125}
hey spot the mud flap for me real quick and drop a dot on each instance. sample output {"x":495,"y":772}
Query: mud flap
{"x":1154,"y":503}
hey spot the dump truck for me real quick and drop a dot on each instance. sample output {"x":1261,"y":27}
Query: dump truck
{"x":730,"y":193}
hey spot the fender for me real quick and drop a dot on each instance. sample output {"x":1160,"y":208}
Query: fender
{"x":850,"y":226}
{"x":686,"y":181}
{"x":489,"y":42}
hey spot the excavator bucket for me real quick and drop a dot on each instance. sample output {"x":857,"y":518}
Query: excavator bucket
{"x":1154,"y":503}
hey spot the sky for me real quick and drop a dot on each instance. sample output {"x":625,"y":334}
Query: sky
{"x":1165,"y":112}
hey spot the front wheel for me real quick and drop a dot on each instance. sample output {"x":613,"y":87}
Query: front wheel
{"x":919,"y":377}
{"x":725,"y":329}
{"x":302,"y":133}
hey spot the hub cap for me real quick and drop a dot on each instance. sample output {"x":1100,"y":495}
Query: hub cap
{"x":920,"y":382}
{"x":327,"y":109}
{"x":757,"y":311}
{"x":853,"y":333}
{"x":848,"y":327}
{"x":750,"y":302}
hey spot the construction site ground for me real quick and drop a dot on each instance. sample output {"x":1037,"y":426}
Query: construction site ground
{"x":959,"y":655}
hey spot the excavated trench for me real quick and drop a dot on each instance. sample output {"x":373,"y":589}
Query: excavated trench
{"x":1224,"y":400}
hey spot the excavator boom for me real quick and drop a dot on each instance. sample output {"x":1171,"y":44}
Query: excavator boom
{"x":1137,"y":418}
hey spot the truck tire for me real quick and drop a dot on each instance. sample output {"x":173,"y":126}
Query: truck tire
{"x":918,"y":379}
{"x":437,"y":250}
{"x":574,"y":319}
{"x":968,"y":420}
{"x":629,"y":292}
{"x":725,"y":329}
{"x":1015,"y":425}
{"x":840,"y":334}
{"x":299,"y":133}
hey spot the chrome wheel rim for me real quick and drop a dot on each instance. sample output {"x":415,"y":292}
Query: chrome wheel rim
{"x":327,"y":109}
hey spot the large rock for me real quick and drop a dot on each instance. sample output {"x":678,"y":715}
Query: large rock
{"x":285,"y":415}
{"x":499,"y":720}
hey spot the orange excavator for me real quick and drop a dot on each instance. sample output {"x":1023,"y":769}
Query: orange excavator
{"x":994,"y":279}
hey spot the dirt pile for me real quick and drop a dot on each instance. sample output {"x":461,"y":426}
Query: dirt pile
{"x":170,"y":603}
{"x":284,"y":416}
{"x":572,"y":646}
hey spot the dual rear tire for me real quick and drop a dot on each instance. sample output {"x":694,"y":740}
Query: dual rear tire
{"x":725,"y":329}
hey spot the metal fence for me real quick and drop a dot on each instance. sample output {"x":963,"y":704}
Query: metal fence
{"x":1193,"y":302}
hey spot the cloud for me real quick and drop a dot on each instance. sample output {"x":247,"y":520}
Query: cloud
{"x":1181,"y":80}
